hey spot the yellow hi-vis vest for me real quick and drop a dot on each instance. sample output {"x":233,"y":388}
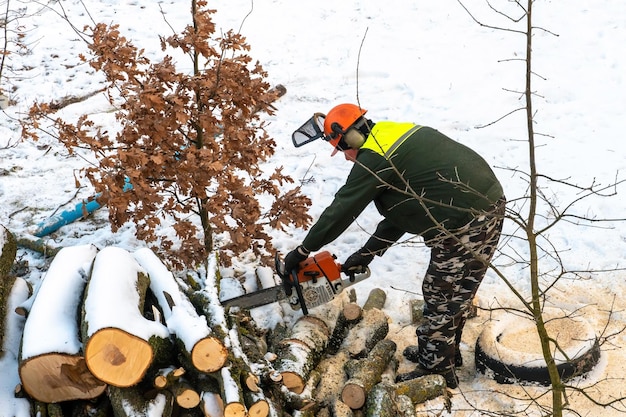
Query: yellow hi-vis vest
{"x":386,"y":137}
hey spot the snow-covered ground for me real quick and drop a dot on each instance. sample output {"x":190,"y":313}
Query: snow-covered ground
{"x":427,"y":62}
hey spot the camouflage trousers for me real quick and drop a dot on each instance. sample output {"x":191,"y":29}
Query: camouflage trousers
{"x":457,"y":267}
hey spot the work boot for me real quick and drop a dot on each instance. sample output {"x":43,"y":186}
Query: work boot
{"x":411,"y":352}
{"x":448,"y":374}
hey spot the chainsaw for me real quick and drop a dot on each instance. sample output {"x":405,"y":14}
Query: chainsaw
{"x":316,"y":281}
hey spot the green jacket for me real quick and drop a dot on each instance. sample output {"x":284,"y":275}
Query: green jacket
{"x":410,"y":173}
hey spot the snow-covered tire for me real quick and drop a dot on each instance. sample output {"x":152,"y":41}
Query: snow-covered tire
{"x":508,"y":348}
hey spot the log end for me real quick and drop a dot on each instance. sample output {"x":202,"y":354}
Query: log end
{"x":209,"y":355}
{"x":58,"y":377}
{"x":117,"y":357}
{"x":293,"y":382}
{"x":235,"y":410}
{"x":352,"y":311}
{"x":353,"y":395}
{"x":259,"y":409}
{"x":188,"y":399}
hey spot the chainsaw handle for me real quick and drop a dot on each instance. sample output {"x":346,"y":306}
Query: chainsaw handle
{"x":296,"y":284}
{"x":364,"y":271}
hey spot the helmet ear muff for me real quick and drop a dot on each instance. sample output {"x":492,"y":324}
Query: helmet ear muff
{"x":353,"y":138}
{"x":336,"y":128}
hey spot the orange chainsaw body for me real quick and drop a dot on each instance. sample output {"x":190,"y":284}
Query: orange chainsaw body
{"x":320,"y":265}
{"x":319,"y":277}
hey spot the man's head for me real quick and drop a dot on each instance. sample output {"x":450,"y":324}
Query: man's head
{"x":344,"y":125}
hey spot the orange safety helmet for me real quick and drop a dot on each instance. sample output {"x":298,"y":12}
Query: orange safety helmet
{"x":339,"y":119}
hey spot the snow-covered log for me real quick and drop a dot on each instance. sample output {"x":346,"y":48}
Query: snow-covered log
{"x":300,"y":353}
{"x":365,"y":373}
{"x":52,"y":367}
{"x":13,"y":325}
{"x":333,"y":377}
{"x":121,"y":344}
{"x":381,"y":402}
{"x":350,"y":314}
{"x":231,"y":392}
{"x":372,"y":328}
{"x":195,"y":339}
{"x":211,"y":402}
{"x":257,"y":404}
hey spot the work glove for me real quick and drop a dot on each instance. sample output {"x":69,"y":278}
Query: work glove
{"x":293,"y":258}
{"x":357,"y":262}
{"x":292,"y":261}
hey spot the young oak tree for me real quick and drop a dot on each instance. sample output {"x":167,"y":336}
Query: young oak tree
{"x":189,"y":147}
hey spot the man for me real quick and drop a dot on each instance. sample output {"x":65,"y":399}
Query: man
{"x":422,"y":183}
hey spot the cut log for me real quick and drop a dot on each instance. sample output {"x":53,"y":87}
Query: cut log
{"x":333,"y":378}
{"x":375,"y":299}
{"x":8,"y":250}
{"x":231,"y":392}
{"x":121,"y":345}
{"x":194,"y":338}
{"x":303,"y":400}
{"x":381,"y":402}
{"x":422,"y":389}
{"x":300,"y":353}
{"x":130,"y":402}
{"x":52,"y":367}
{"x":389,"y":374}
{"x":44,"y":246}
{"x":373,"y":327}
{"x":350,"y":314}
{"x":185,"y":395}
{"x":167,"y":376}
{"x":212,"y":404}
{"x":417,"y":311}
{"x":13,"y":326}
{"x":257,"y":404}
{"x":406,"y":408}
{"x":340,"y":409}
{"x":365,"y":373}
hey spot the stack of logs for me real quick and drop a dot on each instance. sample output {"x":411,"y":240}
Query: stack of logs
{"x":336,"y":361}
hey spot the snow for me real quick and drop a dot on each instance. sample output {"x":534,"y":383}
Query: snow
{"x":52,"y":325}
{"x":9,"y":354}
{"x":112,"y":298}
{"x":182,"y":318}
{"x":426,"y":62}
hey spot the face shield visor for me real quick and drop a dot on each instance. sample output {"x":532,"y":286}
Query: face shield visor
{"x":311,"y":130}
